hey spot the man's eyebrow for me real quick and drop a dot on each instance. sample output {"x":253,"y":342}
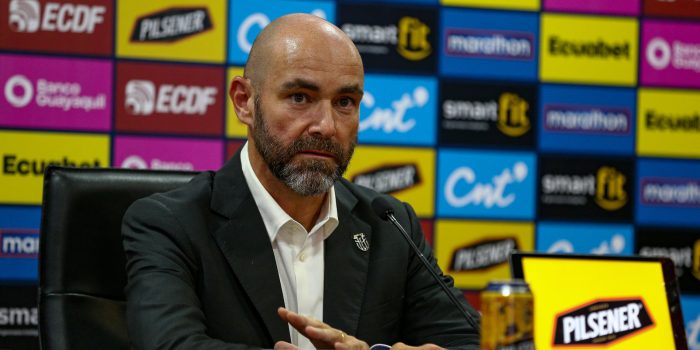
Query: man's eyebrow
{"x":300,"y":84}
{"x":351,"y":89}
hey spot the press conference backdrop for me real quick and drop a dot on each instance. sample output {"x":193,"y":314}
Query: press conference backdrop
{"x":552,"y":125}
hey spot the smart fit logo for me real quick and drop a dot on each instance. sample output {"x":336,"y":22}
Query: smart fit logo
{"x":512,"y":115}
{"x":27,"y":16}
{"x":413,"y":41}
{"x":610,"y":193}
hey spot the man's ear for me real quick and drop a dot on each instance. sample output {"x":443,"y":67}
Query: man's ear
{"x":241,"y":94}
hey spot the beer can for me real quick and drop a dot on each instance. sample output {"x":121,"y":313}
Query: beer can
{"x":507,"y":316}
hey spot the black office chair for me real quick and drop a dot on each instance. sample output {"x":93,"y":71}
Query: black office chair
{"x":81,"y":263}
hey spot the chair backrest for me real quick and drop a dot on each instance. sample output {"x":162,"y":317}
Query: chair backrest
{"x":81,"y":263}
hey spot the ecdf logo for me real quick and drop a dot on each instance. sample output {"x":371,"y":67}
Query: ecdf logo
{"x":26,"y":16}
{"x":143,"y":99}
{"x":486,"y":184}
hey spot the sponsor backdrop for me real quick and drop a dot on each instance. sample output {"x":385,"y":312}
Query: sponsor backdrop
{"x":547,"y":125}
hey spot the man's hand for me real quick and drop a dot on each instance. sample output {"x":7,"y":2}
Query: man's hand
{"x":322,"y":336}
{"x":402,"y":346}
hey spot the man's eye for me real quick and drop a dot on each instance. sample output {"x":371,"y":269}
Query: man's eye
{"x":298,"y":98}
{"x":346,"y":102}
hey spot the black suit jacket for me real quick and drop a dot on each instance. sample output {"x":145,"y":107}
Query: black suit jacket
{"x":202,"y":274}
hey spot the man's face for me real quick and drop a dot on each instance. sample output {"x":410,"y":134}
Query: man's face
{"x":307,"y":115}
{"x":307,"y":177}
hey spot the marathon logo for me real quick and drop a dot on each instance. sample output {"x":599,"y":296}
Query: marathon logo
{"x":410,"y":36}
{"x":598,"y":120}
{"x":671,"y":192}
{"x":482,"y":255}
{"x":662,"y":122}
{"x":19,"y":243}
{"x":171,"y":25}
{"x":592,"y":49}
{"x":389,"y":179}
{"x":606,"y":187}
{"x":509,"y":113}
{"x":602,"y":322}
{"x":13,"y":164}
{"x":680,"y":55}
{"x":27,"y":16}
{"x":62,"y":95}
{"x":144,"y":98}
{"x":490,"y":44}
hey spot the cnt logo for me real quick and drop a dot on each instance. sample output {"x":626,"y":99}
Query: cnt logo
{"x":19,"y":243}
{"x":410,"y":37}
{"x":692,"y":331}
{"x":681,"y":55}
{"x":601,"y":322}
{"x":137,"y":162}
{"x":19,"y":92}
{"x":260,"y":20}
{"x":171,"y":25}
{"x":489,"y":195}
{"x":143,"y":98}
{"x":391,"y":119}
{"x":616,"y":245}
{"x":27,"y":16}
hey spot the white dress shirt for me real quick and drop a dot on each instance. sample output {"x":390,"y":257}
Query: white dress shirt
{"x":298,"y":253}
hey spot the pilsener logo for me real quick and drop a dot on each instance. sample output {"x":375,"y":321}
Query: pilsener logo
{"x":602,"y":322}
{"x":389,"y":178}
{"x":171,"y":25}
{"x":587,"y":119}
{"x":19,"y":243}
{"x":142,"y":98}
{"x":490,"y":44}
{"x":482,"y":255}
{"x":64,"y":95}
{"x":27,"y":16}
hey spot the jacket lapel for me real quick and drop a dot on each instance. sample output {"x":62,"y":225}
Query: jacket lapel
{"x":246,"y":246}
{"x":345,"y":270}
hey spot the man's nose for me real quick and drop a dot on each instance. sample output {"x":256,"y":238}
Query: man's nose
{"x":324,"y":121}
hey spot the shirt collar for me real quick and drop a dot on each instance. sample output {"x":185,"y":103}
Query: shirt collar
{"x":274,"y":217}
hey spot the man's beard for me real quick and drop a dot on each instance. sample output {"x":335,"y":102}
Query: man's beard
{"x":307,"y":177}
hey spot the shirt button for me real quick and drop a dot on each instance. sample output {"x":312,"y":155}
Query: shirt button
{"x":302,"y":257}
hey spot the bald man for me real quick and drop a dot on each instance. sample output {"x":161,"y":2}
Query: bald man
{"x":276,"y":249}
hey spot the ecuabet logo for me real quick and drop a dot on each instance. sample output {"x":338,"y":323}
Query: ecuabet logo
{"x":143,"y":99}
{"x":27,"y":16}
{"x":601,"y":322}
{"x":19,"y":243}
{"x":172,"y":24}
